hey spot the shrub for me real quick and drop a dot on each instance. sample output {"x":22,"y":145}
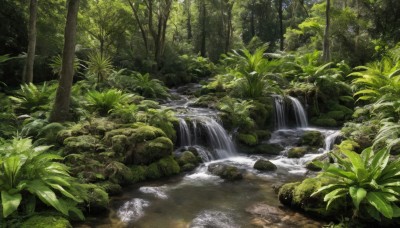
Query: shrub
{"x":103,"y":102}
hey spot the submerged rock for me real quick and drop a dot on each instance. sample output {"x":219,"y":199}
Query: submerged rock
{"x":297,"y":152}
{"x":188,"y":161}
{"x":226,"y":172}
{"x":312,"y":138}
{"x":264,"y":165}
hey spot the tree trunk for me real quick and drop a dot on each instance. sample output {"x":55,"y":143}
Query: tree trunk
{"x":203,"y":29}
{"x":280,"y":13}
{"x":326,"y":52}
{"x":142,"y":30}
{"x":229,"y":28}
{"x":60,"y":111}
{"x":189,"y":19}
{"x":252,"y":20}
{"x":30,"y":58}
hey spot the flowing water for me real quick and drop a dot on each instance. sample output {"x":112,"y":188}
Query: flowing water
{"x":200,"y":199}
{"x":283,"y":109}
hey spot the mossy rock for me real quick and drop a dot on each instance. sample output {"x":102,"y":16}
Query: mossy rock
{"x":163,"y":168}
{"x":349,"y":145}
{"x":118,"y":172}
{"x":83,"y":143}
{"x":263,"y":134}
{"x":226,"y":172}
{"x":297,"y":152}
{"x":312,"y":167}
{"x":336,"y":115}
{"x":135,"y":135}
{"x":188,"y":167}
{"x":111,"y":188}
{"x":264,"y":165}
{"x":268,"y":149}
{"x":261,"y":113}
{"x":312,"y":138}
{"x":324,"y":122}
{"x":119,"y":144}
{"x":247,"y":139}
{"x":206,"y":101}
{"x":97,"y":198}
{"x":147,"y":104}
{"x":153,"y":150}
{"x":99,"y":126}
{"x":187,"y":157}
{"x":139,"y":173}
{"x":285,"y":194}
{"x":46,"y":221}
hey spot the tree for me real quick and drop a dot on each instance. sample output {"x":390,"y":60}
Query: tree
{"x":30,"y":58}
{"x":326,"y":56}
{"x":63,"y":96}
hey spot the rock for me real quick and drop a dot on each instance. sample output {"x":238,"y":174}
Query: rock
{"x":135,"y":135}
{"x":349,"y":145}
{"x":247,"y":139}
{"x":297,"y":152}
{"x":111,"y":188}
{"x":226,"y":172}
{"x":312,"y":138}
{"x":263,"y":134}
{"x":46,"y":221}
{"x":163,"y":168}
{"x":268,"y":149}
{"x":264,"y":165}
{"x":323,"y":158}
{"x":188,"y":161}
{"x":285,"y":193}
{"x":139,"y":173}
{"x":97,"y":199}
{"x":117,"y":172}
{"x":153,"y":150}
{"x":83,"y":143}
{"x":269,"y":213}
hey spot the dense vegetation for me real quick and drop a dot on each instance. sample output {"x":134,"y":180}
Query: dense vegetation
{"x":83,"y":83}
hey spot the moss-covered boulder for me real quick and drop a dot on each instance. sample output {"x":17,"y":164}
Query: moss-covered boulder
{"x":135,"y":134}
{"x":312,"y":139}
{"x":153,"y":150}
{"x":118,"y":172}
{"x":261,"y":112}
{"x":298,"y":196}
{"x":247,"y":139}
{"x":111,"y":188}
{"x":139,"y":173}
{"x":324,"y":122}
{"x":226,"y":172}
{"x":163,"y":168}
{"x":263,"y":134}
{"x":267,"y":149}
{"x":264,"y":165}
{"x":83,"y":143}
{"x":347,"y":145}
{"x":206,"y":101}
{"x":96,"y":199}
{"x":297,"y":152}
{"x":187,"y":161}
{"x":46,"y":221}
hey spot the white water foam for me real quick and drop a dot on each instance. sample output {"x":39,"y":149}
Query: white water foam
{"x":159,"y":192}
{"x":209,"y":218}
{"x":132,"y":210}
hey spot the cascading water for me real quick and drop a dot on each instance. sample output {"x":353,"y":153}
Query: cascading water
{"x":299,"y":112}
{"x":281,"y":113}
{"x":216,"y":138}
{"x":330,"y":139}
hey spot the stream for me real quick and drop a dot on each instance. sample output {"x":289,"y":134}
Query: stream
{"x":200,"y":199}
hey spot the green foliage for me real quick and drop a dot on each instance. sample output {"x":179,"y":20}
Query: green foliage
{"x":99,"y":66}
{"x":369,"y":179}
{"x":104,"y":102}
{"x":145,"y":86}
{"x":56,"y":64}
{"x":238,"y":112}
{"x":161,"y":118}
{"x":31,"y":98}
{"x":46,"y":221}
{"x":27,"y":172}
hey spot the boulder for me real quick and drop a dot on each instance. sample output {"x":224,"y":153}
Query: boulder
{"x":163,"y":168}
{"x":312,"y":139}
{"x":297,"y":152}
{"x":46,"y":221}
{"x":268,"y":149}
{"x":153,"y":150}
{"x":247,"y":139}
{"x":188,"y":161}
{"x":83,"y":143}
{"x":226,"y":172}
{"x":264,"y":165}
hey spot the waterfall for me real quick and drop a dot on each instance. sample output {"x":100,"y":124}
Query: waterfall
{"x":299,"y":112}
{"x":330,"y":140}
{"x":206,"y":131}
{"x":280,"y":113}
{"x":281,"y":116}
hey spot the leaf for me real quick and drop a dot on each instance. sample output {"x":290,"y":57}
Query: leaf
{"x":46,"y":195}
{"x":378,"y":200}
{"x":10,"y":202}
{"x":357,"y":195}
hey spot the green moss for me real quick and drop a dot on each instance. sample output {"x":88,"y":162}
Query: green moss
{"x":349,"y":145}
{"x":153,"y":150}
{"x":264,"y":165}
{"x":46,"y":221}
{"x":302,"y":192}
{"x":311,"y":166}
{"x":163,"y":168}
{"x":297,"y":152}
{"x":83,"y":143}
{"x":206,"y":101}
{"x":263,"y":134}
{"x":135,"y":135}
{"x":188,"y":167}
{"x":285,"y":193}
{"x":118,"y":172}
{"x":312,"y":138}
{"x":187,"y":157}
{"x":261,"y":112}
{"x":324,"y":122}
{"x":110,"y":187}
{"x":96,"y":198}
{"x":337,"y":107}
{"x":99,"y":126}
{"x":119,"y":144}
{"x":139,"y":173}
{"x":247,"y":139}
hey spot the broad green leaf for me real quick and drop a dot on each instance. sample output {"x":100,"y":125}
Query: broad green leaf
{"x":355,"y":159}
{"x":46,"y":195}
{"x":357,"y":195}
{"x":378,"y":200}
{"x":10,"y":202}
{"x":341,"y":173}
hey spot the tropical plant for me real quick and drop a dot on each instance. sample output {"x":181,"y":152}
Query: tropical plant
{"x":369,"y":179}
{"x":41,"y":130}
{"x":144,"y":85}
{"x":99,"y":66}
{"x":56,"y":64}
{"x":31,"y":98}
{"x":28,"y":172}
{"x":238,"y":111}
{"x":105,"y":101}
{"x":125,"y":112}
